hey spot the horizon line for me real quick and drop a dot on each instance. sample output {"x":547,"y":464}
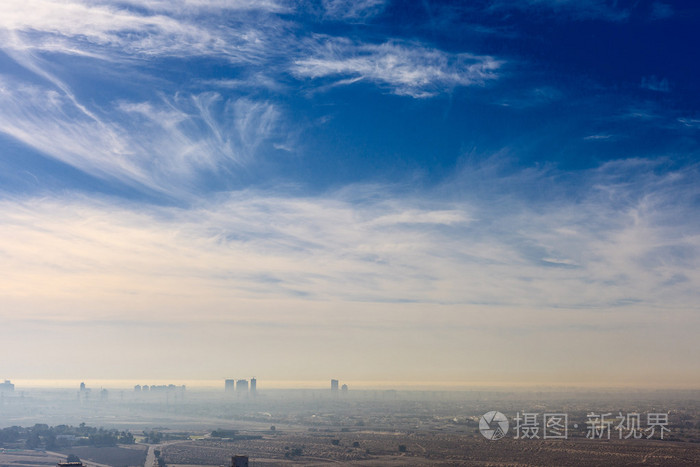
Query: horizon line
{"x":365,"y":385}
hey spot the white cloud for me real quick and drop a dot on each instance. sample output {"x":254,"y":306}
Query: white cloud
{"x":689,"y":122}
{"x":600,"y":137}
{"x":353,"y":9}
{"x":623,"y":241}
{"x":190,"y":6}
{"x":163,"y":144}
{"x":50,"y":122}
{"x":160,"y":145}
{"x":110,"y":30}
{"x":596,"y":273}
{"x":407,"y":69}
{"x":251,"y":82}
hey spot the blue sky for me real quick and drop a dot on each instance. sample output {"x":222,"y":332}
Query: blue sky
{"x":370,"y":190}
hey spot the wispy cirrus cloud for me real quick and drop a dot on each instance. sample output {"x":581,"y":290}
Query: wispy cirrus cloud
{"x":189,"y":6}
{"x":405,"y":68}
{"x":111,"y":30}
{"x":296,"y":273}
{"x":353,"y":9}
{"x":161,"y":145}
{"x":598,"y":137}
{"x":165,"y":143}
{"x":619,"y":240}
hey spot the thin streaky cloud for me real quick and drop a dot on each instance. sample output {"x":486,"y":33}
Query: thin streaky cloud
{"x":105,"y":29}
{"x":190,"y":6}
{"x":616,"y":241}
{"x":599,"y":137}
{"x":405,"y":68}
{"x":162,"y":146}
{"x":690,"y":122}
{"x":255,"y":81}
{"x":353,"y":9}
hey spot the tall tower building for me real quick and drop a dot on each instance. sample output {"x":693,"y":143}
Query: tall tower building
{"x":253,"y":385}
{"x":229,"y":385}
{"x":7,"y":386}
{"x":334,"y":385}
{"x":242,"y":386}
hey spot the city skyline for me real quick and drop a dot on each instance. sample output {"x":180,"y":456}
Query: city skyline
{"x":495,"y":193}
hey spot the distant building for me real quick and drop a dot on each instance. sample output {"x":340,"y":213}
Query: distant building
{"x":239,"y":461}
{"x":104,"y":395}
{"x":84,"y":393}
{"x":242,"y":385}
{"x":229,"y":385}
{"x":253,"y":385}
{"x":137,"y":388}
{"x":334,"y":385}
{"x":344,"y":388}
{"x":145,"y":387}
{"x":7,"y":386}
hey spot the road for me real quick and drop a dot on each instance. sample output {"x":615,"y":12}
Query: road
{"x":151,"y":456}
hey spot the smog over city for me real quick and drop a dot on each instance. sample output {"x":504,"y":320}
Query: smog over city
{"x":366,"y":232}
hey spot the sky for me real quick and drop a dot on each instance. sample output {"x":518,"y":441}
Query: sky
{"x":383,"y":192}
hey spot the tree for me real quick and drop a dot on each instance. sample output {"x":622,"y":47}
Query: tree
{"x":72,"y":458}
{"x":126,"y":438}
{"x":33,"y":441}
{"x":50,"y":441}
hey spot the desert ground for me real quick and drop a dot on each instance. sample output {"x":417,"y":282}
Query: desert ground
{"x":377,"y":428}
{"x":369,"y":448}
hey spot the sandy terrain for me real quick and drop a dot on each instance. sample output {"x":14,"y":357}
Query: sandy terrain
{"x":382,"y":449}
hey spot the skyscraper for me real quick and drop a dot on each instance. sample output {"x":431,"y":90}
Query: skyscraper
{"x":334,"y":385}
{"x":7,"y":386}
{"x":242,"y":386}
{"x":253,"y":386}
{"x":229,"y":385}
